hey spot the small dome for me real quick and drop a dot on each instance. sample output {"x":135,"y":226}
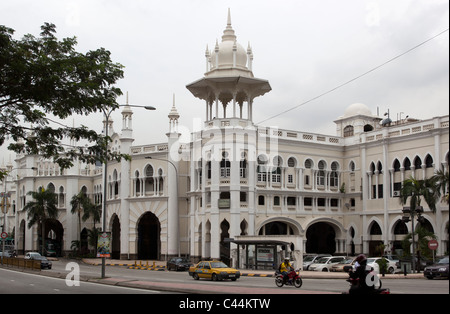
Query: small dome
{"x":226,"y":49}
{"x":226,"y":55}
{"x":357,"y":109}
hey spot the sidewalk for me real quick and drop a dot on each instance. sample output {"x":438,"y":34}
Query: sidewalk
{"x":151,"y":265}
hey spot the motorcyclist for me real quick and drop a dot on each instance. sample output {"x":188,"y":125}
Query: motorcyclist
{"x":285,"y":267}
{"x":358,"y":276}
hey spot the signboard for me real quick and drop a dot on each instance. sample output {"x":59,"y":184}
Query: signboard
{"x":224,"y":203}
{"x":104,"y":244}
{"x":4,"y":235}
{"x":265,"y":254}
{"x":433,"y":244}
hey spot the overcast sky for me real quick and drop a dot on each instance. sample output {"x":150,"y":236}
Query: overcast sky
{"x":304,"y":48}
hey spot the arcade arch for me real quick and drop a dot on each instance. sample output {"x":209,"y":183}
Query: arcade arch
{"x":149,"y":237}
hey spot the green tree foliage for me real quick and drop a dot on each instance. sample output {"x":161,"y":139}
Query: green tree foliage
{"x":41,"y":208}
{"x":45,"y":77}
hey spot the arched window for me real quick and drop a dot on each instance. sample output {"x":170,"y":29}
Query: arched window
{"x":417,"y":163}
{"x":348,"y":131}
{"x":261,"y":168}
{"x":407,"y":164}
{"x":276,"y":170}
{"x":396,"y":165}
{"x":138,"y":183}
{"x":149,"y":180}
{"x":321,"y":173}
{"x":429,"y":161}
{"x":291,"y":162}
{"x":225,"y":166}
{"x":61,"y":198}
{"x":334,"y":176}
{"x":243,"y":168}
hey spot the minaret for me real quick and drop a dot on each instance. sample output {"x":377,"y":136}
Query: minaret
{"x":172,"y":171}
{"x":229,"y":81}
{"x":126,"y":140}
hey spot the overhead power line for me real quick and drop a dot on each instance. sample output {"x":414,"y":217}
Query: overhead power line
{"x":355,"y":78}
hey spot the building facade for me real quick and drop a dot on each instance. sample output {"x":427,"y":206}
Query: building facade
{"x":240,"y":192}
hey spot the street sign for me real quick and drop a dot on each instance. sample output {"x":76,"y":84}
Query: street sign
{"x":4,"y":235}
{"x":433,"y":244}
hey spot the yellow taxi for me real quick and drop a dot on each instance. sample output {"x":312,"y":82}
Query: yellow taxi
{"x":214,"y":270}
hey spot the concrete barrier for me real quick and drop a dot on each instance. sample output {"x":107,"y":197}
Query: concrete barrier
{"x":21,"y":263}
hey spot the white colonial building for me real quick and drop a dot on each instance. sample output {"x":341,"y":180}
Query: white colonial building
{"x":240,"y":191}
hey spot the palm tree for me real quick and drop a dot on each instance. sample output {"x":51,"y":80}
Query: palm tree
{"x":41,"y":208}
{"x":95,"y":211}
{"x":442,"y":181}
{"x":415,"y":190}
{"x":423,"y":236}
{"x":77,"y":202}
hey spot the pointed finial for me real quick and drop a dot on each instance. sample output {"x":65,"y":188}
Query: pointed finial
{"x":127,"y":97}
{"x":229,"y":19}
{"x":228,"y":33}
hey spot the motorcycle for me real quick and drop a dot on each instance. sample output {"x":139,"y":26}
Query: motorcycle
{"x":293,"y":279}
{"x":376,"y":289}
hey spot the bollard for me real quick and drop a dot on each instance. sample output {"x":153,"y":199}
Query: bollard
{"x":154,"y":264}
{"x":404,"y":270}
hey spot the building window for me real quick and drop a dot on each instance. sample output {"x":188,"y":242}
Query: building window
{"x":429,"y":161}
{"x":334,"y":202}
{"x":225,"y":166}
{"x":321,"y":202}
{"x":261,"y":200}
{"x":307,"y":201}
{"x":291,"y":201}
{"x":290,"y":178}
{"x":348,"y":131}
{"x":261,"y":169}
{"x":291,"y":162}
{"x":276,"y":201}
{"x":396,"y":165}
{"x":243,"y":168}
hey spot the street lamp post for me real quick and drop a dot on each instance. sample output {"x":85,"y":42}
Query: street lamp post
{"x":105,"y":172}
{"x":408,"y":215}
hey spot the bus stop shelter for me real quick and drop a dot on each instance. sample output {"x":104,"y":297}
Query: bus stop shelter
{"x":259,"y":253}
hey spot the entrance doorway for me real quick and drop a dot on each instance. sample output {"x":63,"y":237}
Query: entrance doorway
{"x":115,"y":241}
{"x":149,"y":243}
{"x":321,"y":238}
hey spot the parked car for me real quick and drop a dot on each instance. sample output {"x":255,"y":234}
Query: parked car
{"x":391,"y":257}
{"x":214,"y":270}
{"x":373,"y":262}
{"x":423,"y":262}
{"x":178,"y":263}
{"x":311,"y":258}
{"x":438,"y":270}
{"x":325,"y":263}
{"x":348,"y":262}
{"x":45,"y":263}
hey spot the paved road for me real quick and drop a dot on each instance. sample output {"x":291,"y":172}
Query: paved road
{"x":14,"y":282}
{"x":182,"y":282}
{"x":254,"y":285}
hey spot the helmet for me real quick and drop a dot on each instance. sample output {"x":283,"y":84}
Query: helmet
{"x":286,"y":258}
{"x":361,"y":258}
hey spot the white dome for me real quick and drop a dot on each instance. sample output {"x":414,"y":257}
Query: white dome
{"x":226,"y":55}
{"x":222,"y":56}
{"x":357,"y":109}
